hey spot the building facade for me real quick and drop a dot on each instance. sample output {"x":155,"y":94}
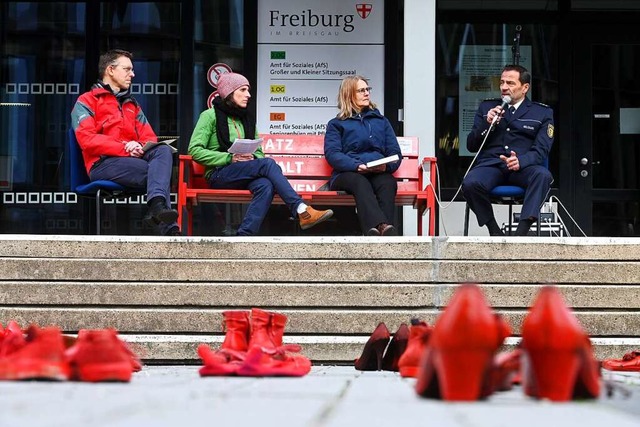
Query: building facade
{"x":439,"y":59}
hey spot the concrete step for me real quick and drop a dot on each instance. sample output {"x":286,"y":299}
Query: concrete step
{"x":283,"y":295}
{"x":166,"y":295}
{"x":320,"y":270}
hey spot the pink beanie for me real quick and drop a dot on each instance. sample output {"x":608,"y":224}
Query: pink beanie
{"x":228,"y":82}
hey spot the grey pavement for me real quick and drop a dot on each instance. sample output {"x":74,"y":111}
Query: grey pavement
{"x":328,"y":396}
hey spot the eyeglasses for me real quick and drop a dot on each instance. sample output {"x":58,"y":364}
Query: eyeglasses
{"x":128,"y":70}
{"x":364,"y":89}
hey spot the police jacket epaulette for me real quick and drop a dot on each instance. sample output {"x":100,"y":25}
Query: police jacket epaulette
{"x":541,"y":104}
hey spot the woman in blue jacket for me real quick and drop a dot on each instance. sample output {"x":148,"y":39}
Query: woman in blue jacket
{"x":358,"y":135}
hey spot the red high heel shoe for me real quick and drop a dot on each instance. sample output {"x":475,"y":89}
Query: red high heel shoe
{"x":558,"y":362}
{"x":457,"y":362}
{"x":419,"y":334}
{"x":374,"y":347}
{"x":396,"y":348}
{"x":630,"y":362}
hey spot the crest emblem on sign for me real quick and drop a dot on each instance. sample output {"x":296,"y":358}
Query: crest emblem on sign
{"x":364,"y":9}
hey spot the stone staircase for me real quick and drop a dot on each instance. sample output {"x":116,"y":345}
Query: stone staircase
{"x":166,"y":295}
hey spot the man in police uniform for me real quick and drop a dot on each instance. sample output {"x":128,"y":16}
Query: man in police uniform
{"x":514,"y":152}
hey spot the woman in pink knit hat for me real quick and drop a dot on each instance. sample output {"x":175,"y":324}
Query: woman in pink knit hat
{"x":215,"y":132}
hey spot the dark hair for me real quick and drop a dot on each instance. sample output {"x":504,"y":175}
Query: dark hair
{"x":109,"y":58}
{"x":525,"y":75}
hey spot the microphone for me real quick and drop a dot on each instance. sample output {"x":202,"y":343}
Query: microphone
{"x":506,"y":100}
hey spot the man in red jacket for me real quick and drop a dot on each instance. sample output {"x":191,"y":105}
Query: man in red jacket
{"x":111,"y":130}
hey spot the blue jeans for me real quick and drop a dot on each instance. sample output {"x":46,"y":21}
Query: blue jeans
{"x":151,"y":172}
{"x":264,"y":178}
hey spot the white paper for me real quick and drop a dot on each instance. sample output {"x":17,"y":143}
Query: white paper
{"x":383,"y":161}
{"x":245,"y":146}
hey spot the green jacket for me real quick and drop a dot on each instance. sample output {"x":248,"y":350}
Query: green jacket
{"x":204,"y":146}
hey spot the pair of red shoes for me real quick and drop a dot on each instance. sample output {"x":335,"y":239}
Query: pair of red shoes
{"x":375,"y":358}
{"x":630,"y":362}
{"x":460,"y":362}
{"x":44,"y":353}
{"x":253,"y":346}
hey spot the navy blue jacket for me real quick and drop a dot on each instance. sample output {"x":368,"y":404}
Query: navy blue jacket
{"x":529,"y":132}
{"x":360,"y":139}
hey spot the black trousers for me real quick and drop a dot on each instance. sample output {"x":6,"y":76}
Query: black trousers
{"x":375,"y":196}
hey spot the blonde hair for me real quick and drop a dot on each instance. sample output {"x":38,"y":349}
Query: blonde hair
{"x":347,"y":96}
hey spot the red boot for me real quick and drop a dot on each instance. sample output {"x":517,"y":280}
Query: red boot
{"x":395,"y":349}
{"x":237,"y":327}
{"x":457,"y":362}
{"x":558,"y":361}
{"x":42,"y":357}
{"x":276,"y":328}
{"x":419,"y":334}
{"x":260,"y":329}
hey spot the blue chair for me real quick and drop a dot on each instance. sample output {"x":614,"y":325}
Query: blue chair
{"x":81,"y":184}
{"x":504,"y":195}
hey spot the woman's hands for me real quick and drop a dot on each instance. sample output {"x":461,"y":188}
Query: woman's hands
{"x":376,"y":169}
{"x":241,"y":158}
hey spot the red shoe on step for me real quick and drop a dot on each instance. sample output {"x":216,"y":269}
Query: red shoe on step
{"x":99,"y":355}
{"x":371,"y":357}
{"x":558,"y":362}
{"x":419,"y":334}
{"x":630,"y":362}
{"x":458,"y":360}
{"x":41,"y":357}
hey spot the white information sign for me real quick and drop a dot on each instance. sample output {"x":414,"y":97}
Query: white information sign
{"x":305,"y":48}
{"x":480,"y":79}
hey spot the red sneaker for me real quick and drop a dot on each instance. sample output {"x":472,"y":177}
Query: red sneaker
{"x":41,"y":357}
{"x":99,"y":355}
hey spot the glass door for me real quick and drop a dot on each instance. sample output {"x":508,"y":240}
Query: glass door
{"x":606,"y":137}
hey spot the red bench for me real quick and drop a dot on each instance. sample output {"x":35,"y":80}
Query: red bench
{"x":301,"y":158}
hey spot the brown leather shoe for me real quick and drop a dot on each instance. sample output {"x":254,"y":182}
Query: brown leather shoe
{"x":311,"y":217}
{"x":387,"y":230}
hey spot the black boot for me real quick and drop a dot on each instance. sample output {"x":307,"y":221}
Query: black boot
{"x":158,"y":212}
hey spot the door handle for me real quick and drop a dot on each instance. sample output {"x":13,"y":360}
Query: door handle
{"x":584,"y":162}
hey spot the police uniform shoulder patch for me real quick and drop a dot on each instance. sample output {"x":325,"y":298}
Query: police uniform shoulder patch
{"x":550,"y":130}
{"x":541,"y":104}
